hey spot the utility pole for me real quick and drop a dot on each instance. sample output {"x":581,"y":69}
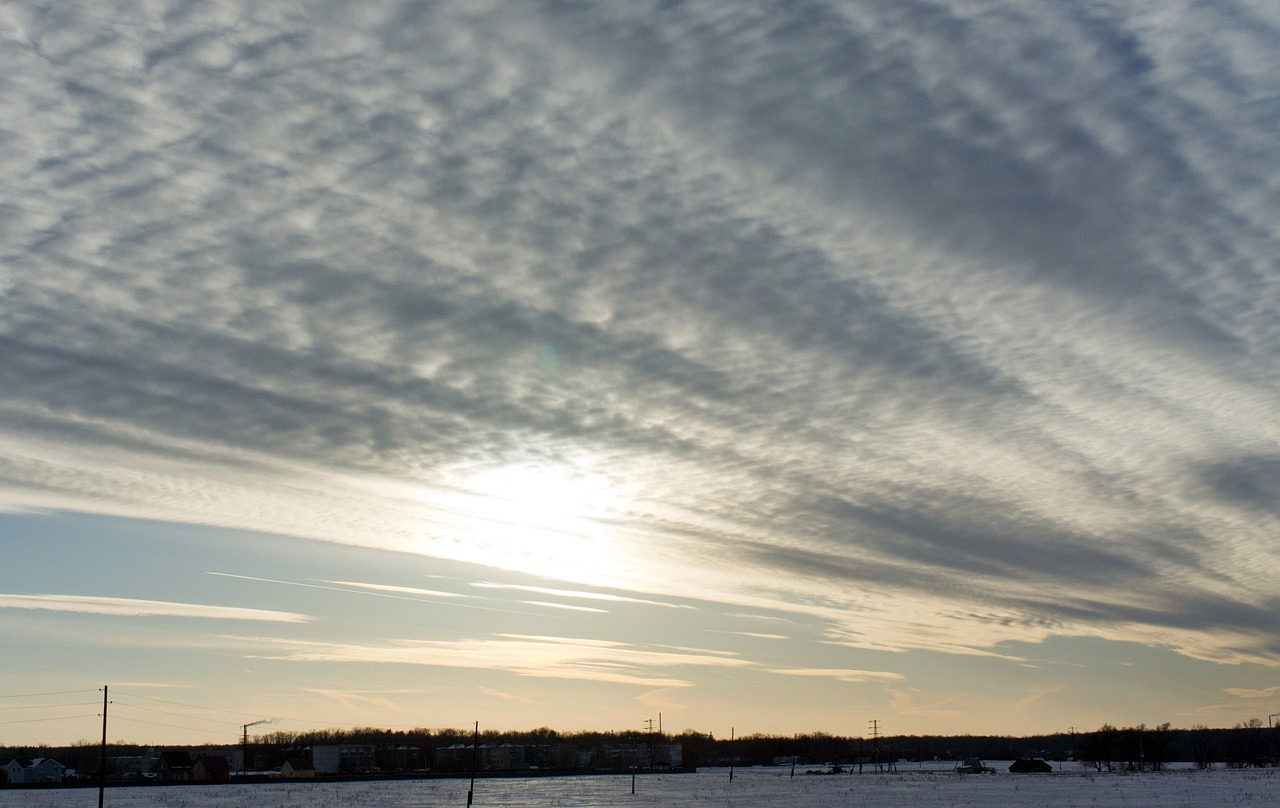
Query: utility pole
{"x":475,"y":750}
{"x":733,"y":753}
{"x":102,"y":762}
{"x":652,"y":744}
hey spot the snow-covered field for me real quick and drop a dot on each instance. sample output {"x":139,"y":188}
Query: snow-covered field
{"x":911,"y":786}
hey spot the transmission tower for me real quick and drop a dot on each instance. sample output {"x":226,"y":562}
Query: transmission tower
{"x":874,"y":726}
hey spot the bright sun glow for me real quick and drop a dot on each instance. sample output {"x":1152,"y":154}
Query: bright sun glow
{"x":548,"y":520}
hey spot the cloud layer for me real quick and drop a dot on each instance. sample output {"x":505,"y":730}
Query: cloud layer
{"x":950,"y":324}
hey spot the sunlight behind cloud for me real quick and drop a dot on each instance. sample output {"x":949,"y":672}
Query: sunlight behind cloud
{"x":549,"y":520}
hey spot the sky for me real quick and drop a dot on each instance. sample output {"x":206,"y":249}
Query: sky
{"x":763,"y":366}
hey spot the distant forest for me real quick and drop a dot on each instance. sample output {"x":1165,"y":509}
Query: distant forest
{"x":1107,"y":748}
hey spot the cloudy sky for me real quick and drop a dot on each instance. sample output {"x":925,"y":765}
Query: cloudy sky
{"x":769,"y":365}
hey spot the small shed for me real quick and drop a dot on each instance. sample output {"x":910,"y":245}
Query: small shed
{"x":1030,"y":766}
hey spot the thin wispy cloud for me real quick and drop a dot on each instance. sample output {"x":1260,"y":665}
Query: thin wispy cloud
{"x":904,"y":703}
{"x":133,"y":607}
{"x":757,"y":635}
{"x":372,"y":590}
{"x":357,"y":699}
{"x":406,"y":590}
{"x":763,"y":617}
{"x":581,"y":594}
{"x":851,"y":676}
{"x":1252,"y":693}
{"x":538,"y":657}
{"x":498,"y":694}
{"x":565,"y":606}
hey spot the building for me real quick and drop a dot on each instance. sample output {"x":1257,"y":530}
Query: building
{"x":556,"y":757}
{"x":174,"y":766}
{"x":343,"y":758}
{"x":625,"y":756}
{"x":401,"y":758}
{"x":214,"y":768}
{"x":130,"y":767}
{"x":488,"y":757}
{"x":34,"y":770}
{"x":298,"y":766}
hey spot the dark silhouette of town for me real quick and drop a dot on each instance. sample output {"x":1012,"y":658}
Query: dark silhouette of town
{"x":371,"y":753}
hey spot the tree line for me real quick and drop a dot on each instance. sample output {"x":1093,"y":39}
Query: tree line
{"x":1108,"y":748}
{"x":1142,"y":748}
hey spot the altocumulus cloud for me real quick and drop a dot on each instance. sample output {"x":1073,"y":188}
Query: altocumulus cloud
{"x":862,"y":304}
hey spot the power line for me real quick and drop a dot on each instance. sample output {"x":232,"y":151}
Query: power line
{"x":158,"y":724}
{"x":229,"y":712}
{"x":183,"y":704}
{"x":242,"y":713}
{"x":54,"y":693}
{"x":41,"y":706}
{"x":133,"y":706}
{"x":47,"y":706}
{"x":170,"y":712}
{"x":39,"y":720}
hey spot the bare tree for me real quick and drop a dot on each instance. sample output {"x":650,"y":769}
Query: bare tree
{"x":1129,"y":747}
{"x":1157,"y":743}
{"x":1245,"y":745}
{"x":1098,"y":748}
{"x":1203,"y":750}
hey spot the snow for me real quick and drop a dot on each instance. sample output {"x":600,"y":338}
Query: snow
{"x":913,"y":785}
